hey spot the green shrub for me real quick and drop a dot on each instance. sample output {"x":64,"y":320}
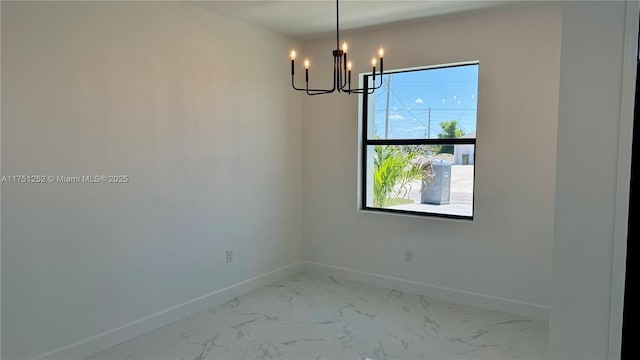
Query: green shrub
{"x":394,"y":169}
{"x":449,"y":130}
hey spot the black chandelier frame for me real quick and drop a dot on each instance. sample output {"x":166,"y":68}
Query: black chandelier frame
{"x":341,"y":70}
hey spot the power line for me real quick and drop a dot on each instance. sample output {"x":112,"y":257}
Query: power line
{"x":405,"y":108}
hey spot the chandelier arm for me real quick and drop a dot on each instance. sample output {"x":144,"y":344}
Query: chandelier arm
{"x":365,"y":90}
{"x":343,"y":89}
{"x":344,"y":82}
{"x":337,"y":70}
{"x":356,"y":91}
{"x":327,"y":91}
{"x":324,"y":91}
{"x":311,"y":91}
{"x":361,"y":91}
{"x":375,"y":87}
{"x":320,"y":92}
{"x":315,"y":91}
{"x":342,"y":70}
{"x":293,"y":85}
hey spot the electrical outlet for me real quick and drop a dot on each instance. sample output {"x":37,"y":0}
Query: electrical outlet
{"x":229,"y":256}
{"x":408,"y":256}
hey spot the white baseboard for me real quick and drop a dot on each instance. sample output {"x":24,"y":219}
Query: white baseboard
{"x":107,"y":339}
{"x":463,"y":297}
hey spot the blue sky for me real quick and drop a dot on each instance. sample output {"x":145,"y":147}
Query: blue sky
{"x":451,"y":93}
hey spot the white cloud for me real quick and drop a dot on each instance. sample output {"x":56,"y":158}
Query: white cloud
{"x":419,"y":101}
{"x":396,"y":117}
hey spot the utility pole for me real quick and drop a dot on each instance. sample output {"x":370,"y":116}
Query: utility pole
{"x":386,"y":119}
{"x":429,"y":124}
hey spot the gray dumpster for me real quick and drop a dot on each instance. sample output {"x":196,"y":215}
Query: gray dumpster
{"x":438,"y":190}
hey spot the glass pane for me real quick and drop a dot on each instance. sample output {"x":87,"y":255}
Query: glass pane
{"x":421,"y":178}
{"x":425,"y":104}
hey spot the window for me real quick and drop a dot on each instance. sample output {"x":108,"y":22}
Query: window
{"x":419,"y":141}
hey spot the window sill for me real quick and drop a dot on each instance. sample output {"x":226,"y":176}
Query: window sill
{"x":419,"y":215}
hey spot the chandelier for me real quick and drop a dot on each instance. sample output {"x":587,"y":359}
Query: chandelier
{"x":341,"y":69}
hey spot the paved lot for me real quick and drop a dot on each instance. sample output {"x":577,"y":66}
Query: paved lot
{"x":461,"y":201}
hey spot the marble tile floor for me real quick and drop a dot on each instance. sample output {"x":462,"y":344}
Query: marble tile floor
{"x":310,"y":316}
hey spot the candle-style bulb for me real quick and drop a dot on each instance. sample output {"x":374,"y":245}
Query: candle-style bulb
{"x":293,"y":54}
{"x":345,"y":47}
{"x":381,"y":52}
{"x":349,"y":66}
{"x":306,"y":63}
{"x":373,"y":62}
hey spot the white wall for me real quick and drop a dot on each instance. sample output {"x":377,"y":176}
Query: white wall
{"x":505,"y":254}
{"x":459,"y":150}
{"x":195,"y":108}
{"x":587,"y":168}
{"x":173,"y":96}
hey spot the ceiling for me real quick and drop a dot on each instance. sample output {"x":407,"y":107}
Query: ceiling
{"x":309,"y":19}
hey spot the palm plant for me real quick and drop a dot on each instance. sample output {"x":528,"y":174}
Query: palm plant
{"x":394,"y":169}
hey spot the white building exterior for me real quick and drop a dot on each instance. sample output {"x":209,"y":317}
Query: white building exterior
{"x":464,"y":149}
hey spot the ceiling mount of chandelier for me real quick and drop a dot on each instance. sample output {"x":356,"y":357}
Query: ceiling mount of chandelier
{"x":341,"y":69}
